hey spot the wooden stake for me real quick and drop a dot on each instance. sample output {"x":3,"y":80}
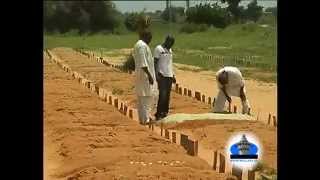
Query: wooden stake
{"x":161,"y":126}
{"x":274,"y":121}
{"x":269,"y":119}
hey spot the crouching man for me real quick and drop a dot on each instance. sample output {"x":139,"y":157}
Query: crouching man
{"x":230,"y":83}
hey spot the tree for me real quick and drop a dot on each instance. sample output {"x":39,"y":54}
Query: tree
{"x":210,"y":14}
{"x":85,"y":16}
{"x":254,"y":12}
{"x":272,"y":10}
{"x":171,"y":13}
{"x":233,"y":8}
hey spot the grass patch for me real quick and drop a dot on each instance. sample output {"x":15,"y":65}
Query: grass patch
{"x":117,"y":91}
{"x":234,"y":42}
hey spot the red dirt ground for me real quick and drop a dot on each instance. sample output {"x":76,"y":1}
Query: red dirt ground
{"x":85,"y":138}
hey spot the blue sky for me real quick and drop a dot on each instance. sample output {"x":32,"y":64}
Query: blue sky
{"x":134,"y":6}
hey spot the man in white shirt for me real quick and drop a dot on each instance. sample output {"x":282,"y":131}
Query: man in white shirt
{"x":165,"y":75}
{"x":230,"y":83}
{"x":146,"y":87}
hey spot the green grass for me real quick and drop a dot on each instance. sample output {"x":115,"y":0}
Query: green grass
{"x":240,"y":40}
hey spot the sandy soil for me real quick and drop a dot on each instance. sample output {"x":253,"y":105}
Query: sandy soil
{"x":85,"y":138}
{"x":212,"y":135}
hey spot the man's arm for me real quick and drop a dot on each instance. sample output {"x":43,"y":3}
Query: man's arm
{"x":145,"y":69}
{"x":225,"y":93}
{"x":156,"y":61}
{"x":242,"y":94}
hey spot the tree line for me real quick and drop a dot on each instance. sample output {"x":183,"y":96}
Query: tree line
{"x":97,"y":16}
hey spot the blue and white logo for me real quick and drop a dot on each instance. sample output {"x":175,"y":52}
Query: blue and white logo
{"x":244,"y":150}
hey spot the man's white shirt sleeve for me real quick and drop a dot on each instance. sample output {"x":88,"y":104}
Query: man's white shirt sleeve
{"x":142,"y":60}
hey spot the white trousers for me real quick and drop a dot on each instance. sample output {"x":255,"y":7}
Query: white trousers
{"x":221,"y":100}
{"x":145,"y":105}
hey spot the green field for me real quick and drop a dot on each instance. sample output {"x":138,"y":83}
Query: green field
{"x":251,"y":47}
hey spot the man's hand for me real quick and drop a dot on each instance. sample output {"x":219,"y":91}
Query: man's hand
{"x":174,"y":79}
{"x":229,"y":99}
{"x":242,"y":94}
{"x":150,"y":80}
{"x":226,"y":94}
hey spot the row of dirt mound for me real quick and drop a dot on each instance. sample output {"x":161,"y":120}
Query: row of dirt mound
{"x":211,"y":134}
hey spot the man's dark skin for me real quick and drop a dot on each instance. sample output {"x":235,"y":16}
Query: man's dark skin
{"x":167,"y":44}
{"x":147,"y":37}
{"x":223,"y":79}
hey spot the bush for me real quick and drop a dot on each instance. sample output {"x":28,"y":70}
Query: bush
{"x":253,"y":12}
{"x":129,"y":64}
{"x":72,"y":32}
{"x":272,"y":10}
{"x":203,"y":27}
{"x":192,"y":27}
{"x":174,"y":13}
{"x":249,"y":27}
{"x":85,"y":16}
{"x":210,"y":14}
{"x":131,"y":21}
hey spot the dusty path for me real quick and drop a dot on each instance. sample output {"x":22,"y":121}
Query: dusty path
{"x":85,"y":138}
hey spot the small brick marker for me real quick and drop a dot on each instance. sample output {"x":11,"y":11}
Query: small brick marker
{"x":185,"y":91}
{"x":209,"y":100}
{"x":184,"y":141}
{"x":198,"y":96}
{"x":234,"y":109}
{"x":192,"y":147}
{"x":251,"y":175}
{"x":161,"y":127}
{"x":180,"y":90}
{"x":121,"y":107}
{"x":215,"y":156}
{"x":237,"y":172}
{"x":177,"y":88}
{"x":269,"y":119}
{"x":203,"y":98}
{"x":274,"y":121}
{"x":116,"y":104}
{"x":189,"y":93}
{"x":131,"y":113}
{"x":97,"y":89}
{"x":222,"y":164}
{"x":110,"y":99}
{"x":174,"y":137}
{"x":125,"y":109}
{"x":166,"y":133}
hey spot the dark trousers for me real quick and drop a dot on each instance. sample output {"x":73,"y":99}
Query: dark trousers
{"x":164,"y":85}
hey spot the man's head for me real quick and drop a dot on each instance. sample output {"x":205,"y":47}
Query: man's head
{"x":223,"y":77}
{"x":169,"y":41}
{"x":146,"y":36}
